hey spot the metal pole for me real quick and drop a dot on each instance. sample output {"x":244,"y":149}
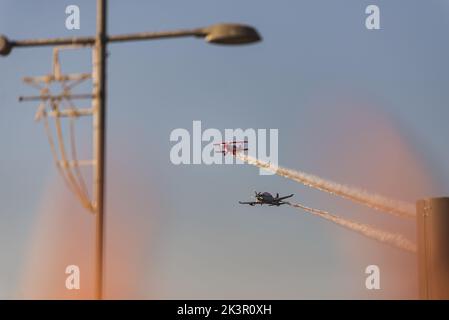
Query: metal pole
{"x":99,"y":143}
{"x":89,"y":41}
{"x":433,"y":248}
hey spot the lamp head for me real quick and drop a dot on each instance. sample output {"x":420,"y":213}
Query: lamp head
{"x":230,"y":34}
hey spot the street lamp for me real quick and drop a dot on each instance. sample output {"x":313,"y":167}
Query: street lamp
{"x":223,"y":34}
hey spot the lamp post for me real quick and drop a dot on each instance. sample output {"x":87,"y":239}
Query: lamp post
{"x":224,"y":34}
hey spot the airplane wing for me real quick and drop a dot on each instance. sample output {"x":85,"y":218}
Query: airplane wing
{"x":250,"y":203}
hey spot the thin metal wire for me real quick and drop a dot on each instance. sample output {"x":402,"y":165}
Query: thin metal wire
{"x":56,"y":158}
{"x":68,"y":169}
{"x":72,"y":107}
{"x":77,"y":170}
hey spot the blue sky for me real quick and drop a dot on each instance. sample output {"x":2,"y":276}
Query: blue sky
{"x":331,"y":87}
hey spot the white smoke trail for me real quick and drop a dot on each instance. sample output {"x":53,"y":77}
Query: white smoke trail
{"x":375,"y":201}
{"x":394,"y":239}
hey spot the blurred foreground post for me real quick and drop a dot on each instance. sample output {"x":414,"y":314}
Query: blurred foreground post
{"x":432,"y":224}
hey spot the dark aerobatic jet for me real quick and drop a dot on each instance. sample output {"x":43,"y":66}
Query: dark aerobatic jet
{"x":267,"y":198}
